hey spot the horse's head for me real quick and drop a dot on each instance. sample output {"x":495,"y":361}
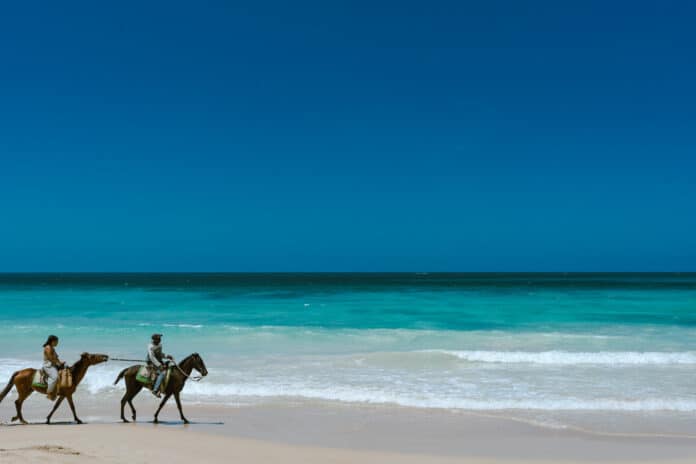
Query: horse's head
{"x":92,"y":359}
{"x":198,"y":364}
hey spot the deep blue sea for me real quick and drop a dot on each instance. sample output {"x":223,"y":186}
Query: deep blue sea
{"x":547,"y":342}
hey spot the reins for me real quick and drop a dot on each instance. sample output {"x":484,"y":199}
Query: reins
{"x":196,"y":378}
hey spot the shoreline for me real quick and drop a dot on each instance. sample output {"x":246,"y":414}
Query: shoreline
{"x":629,"y":423}
{"x":431,"y":435}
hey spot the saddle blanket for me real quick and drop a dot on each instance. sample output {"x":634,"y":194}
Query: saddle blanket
{"x":147,"y":377}
{"x":40,"y":379}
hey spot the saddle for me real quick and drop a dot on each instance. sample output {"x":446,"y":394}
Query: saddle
{"x":65,"y":379}
{"x":147,"y":376}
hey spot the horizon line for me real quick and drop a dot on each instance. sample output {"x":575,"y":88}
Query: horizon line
{"x":348,"y":272}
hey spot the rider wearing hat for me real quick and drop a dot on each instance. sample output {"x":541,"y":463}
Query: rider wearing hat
{"x":158,"y":360}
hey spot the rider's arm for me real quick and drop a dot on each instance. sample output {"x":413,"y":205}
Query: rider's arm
{"x":153,"y":358}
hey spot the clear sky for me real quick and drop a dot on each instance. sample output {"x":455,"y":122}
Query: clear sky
{"x":348,"y":136}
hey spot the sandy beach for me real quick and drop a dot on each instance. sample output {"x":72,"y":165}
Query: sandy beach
{"x":114,"y":444}
{"x":326,"y":433}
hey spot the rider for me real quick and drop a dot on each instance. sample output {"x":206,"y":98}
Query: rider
{"x":51,"y":364}
{"x":157,"y":360}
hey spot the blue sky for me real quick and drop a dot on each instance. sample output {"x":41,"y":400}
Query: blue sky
{"x":348,"y":136}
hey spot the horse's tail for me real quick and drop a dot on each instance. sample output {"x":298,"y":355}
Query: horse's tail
{"x":9,"y":386}
{"x":120,"y":375}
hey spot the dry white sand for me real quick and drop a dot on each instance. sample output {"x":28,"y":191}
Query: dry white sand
{"x":116,"y":444}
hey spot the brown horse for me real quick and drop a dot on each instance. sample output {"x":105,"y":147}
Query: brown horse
{"x":180,"y":373}
{"x":22,"y":380}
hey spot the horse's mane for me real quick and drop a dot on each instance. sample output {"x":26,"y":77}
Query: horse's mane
{"x":77,"y":366}
{"x":186,"y":359}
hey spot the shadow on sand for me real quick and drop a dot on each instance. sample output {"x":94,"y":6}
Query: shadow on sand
{"x":68,"y":423}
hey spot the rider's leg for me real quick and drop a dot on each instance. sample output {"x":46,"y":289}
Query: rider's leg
{"x":52,"y":374}
{"x":158,"y":382}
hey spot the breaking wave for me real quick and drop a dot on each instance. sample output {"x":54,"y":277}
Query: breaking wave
{"x":571,"y":358}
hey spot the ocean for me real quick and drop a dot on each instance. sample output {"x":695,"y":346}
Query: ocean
{"x":482,"y":342}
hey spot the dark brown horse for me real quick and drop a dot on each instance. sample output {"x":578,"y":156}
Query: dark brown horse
{"x":23,"y":379}
{"x":180,"y":373}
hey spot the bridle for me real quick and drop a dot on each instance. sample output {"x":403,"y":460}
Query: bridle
{"x":196,"y":378}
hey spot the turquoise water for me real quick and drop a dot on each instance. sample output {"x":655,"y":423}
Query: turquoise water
{"x":461,"y":341}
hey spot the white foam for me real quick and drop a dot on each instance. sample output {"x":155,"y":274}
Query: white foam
{"x":650,"y":381}
{"x":185,"y":326}
{"x":572,"y":358}
{"x":100,"y":381}
{"x":376,"y":396}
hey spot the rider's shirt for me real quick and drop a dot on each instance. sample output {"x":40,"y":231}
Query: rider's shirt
{"x":50,"y":357}
{"x":155,"y":356}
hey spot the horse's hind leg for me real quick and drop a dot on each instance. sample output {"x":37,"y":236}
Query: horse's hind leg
{"x":72,"y":408}
{"x":130,"y":403}
{"x":58,"y":401}
{"x":132,"y":389}
{"x":178,"y":405}
{"x":123,"y":405}
{"x":18,"y":405}
{"x":137,"y":387}
{"x":128,"y":398}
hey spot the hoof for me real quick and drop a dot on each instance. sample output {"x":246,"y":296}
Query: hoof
{"x":78,"y":421}
{"x":14,"y":419}
{"x":125,"y":420}
{"x":48,"y":421}
{"x":155,"y":421}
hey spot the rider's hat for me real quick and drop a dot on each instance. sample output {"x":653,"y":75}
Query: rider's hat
{"x":156,"y":336}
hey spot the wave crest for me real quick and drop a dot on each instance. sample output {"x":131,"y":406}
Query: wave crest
{"x":572,"y":358}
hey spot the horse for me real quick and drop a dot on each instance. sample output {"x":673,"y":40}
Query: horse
{"x":177,"y":379}
{"x":22,"y":380}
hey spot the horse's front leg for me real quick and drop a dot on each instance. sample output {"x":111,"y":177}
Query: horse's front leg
{"x":164,"y":400}
{"x":178,"y":405}
{"x":55,"y":406}
{"x":72,"y":408}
